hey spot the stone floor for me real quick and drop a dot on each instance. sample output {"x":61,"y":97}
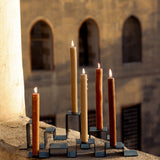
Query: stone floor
{"x":13,"y":136}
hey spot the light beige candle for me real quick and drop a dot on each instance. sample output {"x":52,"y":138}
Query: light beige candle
{"x":73,"y":57}
{"x":84,"y":108}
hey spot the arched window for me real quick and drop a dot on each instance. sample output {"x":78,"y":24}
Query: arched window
{"x":131,"y":39}
{"x":41,"y":47}
{"x":88,"y":44}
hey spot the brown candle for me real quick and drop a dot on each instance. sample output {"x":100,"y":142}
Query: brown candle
{"x":84,"y":108}
{"x":99,"y":98}
{"x":112,"y":110}
{"x":35,"y":123}
{"x":73,"y":57}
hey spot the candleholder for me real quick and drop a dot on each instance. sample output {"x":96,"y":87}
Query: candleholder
{"x":58,"y":146}
{"x":120,"y":145}
{"x":73,"y":117}
{"x":28,"y":135}
{"x":48,"y":130}
{"x":98,"y":133}
{"x":99,"y":153}
{"x":85,"y":145}
{"x":41,"y":155}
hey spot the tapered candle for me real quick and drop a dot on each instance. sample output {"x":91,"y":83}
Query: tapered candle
{"x":73,"y":57}
{"x":99,"y":98}
{"x":112,"y":109}
{"x":84,"y":108}
{"x":35,"y":123}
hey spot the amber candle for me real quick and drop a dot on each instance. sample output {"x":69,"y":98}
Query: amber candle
{"x":35,"y":123}
{"x":84,"y":108}
{"x":99,"y":98}
{"x":73,"y":57}
{"x":112,"y":109}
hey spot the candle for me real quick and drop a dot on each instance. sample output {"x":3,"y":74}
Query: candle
{"x":99,"y":98}
{"x":112,"y":109}
{"x":84,"y":107}
{"x":35,"y":123}
{"x":73,"y":57}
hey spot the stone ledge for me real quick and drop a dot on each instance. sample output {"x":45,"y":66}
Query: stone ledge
{"x":13,"y":135}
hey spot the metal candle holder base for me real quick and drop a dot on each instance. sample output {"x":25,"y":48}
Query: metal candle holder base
{"x":73,"y":117}
{"x":120,"y":145}
{"x":85,"y":145}
{"x":98,"y":133}
{"x":41,"y":155}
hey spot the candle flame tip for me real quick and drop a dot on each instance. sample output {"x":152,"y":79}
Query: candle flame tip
{"x":35,"y":89}
{"x":83,"y":71}
{"x":110,"y":73}
{"x":99,"y":65}
{"x":72,"y":43}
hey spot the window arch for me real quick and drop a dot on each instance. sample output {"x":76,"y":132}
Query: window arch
{"x":41,"y":46}
{"x":88,"y":44}
{"x":131,"y":40}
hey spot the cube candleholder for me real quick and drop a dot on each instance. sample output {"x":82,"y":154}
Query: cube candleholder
{"x":98,"y":132}
{"x":120,"y":145}
{"x":73,"y":117}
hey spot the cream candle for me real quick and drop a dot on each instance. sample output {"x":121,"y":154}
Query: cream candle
{"x":73,"y":58}
{"x":84,"y":108}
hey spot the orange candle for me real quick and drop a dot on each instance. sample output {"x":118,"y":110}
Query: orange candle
{"x":84,"y":108}
{"x":112,"y":109}
{"x":73,"y":58}
{"x":99,"y":98}
{"x":35,"y":123}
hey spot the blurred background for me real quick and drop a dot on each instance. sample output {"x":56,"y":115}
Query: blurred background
{"x":120,"y":34}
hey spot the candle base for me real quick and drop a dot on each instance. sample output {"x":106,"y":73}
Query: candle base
{"x":103,"y":134}
{"x":85,"y":145}
{"x":41,"y":155}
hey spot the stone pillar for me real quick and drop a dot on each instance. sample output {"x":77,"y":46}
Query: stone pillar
{"x":11,"y":72}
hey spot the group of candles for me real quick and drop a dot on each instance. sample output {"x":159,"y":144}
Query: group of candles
{"x":84,"y":103}
{"x":99,"y":99}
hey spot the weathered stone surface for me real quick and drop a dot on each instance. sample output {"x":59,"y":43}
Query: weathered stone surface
{"x":13,"y":135}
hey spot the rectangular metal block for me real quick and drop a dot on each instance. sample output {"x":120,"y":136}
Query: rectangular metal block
{"x":130,"y":153}
{"x":60,"y":137}
{"x":41,"y":155}
{"x":100,"y":154}
{"x":120,"y":145}
{"x":71,"y":154}
{"x":85,"y":145}
{"x":50,"y":129}
{"x":58,"y":146}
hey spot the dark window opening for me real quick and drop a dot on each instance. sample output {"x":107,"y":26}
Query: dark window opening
{"x":131,"y":126}
{"x":131,"y":41}
{"x":41,"y":47}
{"x":91,"y":118}
{"x":88,"y":44}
